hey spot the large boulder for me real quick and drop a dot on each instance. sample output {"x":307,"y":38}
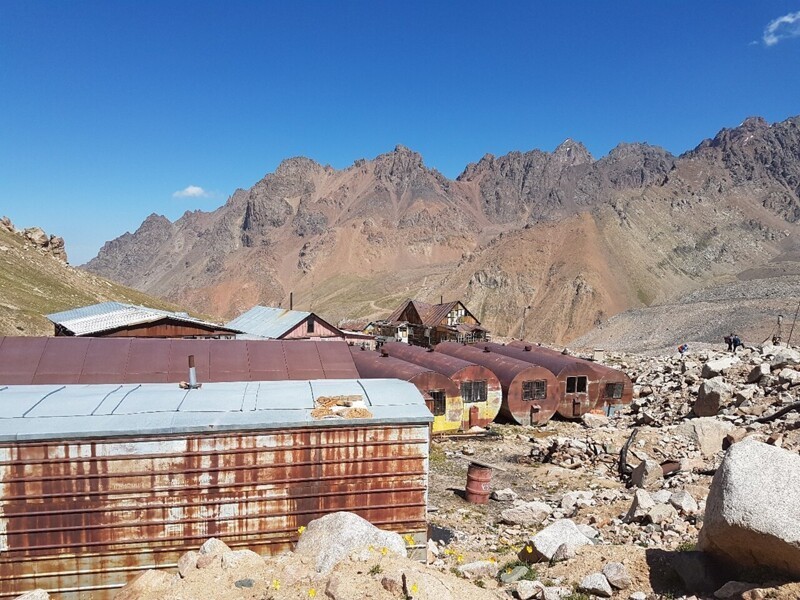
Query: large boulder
{"x":752,"y":516}
{"x":332,"y":538}
{"x":527,"y":513}
{"x":715,"y":368}
{"x":785,"y":357}
{"x":712,"y":396}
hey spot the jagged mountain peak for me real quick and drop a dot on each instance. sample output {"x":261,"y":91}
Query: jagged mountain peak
{"x":572,"y":152}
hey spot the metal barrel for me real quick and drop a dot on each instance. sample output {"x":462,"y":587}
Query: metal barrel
{"x":479,"y":483}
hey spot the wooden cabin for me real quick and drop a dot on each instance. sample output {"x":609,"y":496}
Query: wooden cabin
{"x":115,"y":319}
{"x":422,"y":324}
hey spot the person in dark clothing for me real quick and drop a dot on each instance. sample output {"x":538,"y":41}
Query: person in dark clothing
{"x":728,"y":339}
{"x":736,"y":342}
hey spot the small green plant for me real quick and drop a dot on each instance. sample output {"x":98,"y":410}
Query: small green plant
{"x":376,"y":569}
{"x":480,"y":583}
{"x":576,"y":596}
{"x":456,"y":572}
{"x":687,"y":547}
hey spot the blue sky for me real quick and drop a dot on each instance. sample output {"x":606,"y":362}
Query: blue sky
{"x":107,"y":109}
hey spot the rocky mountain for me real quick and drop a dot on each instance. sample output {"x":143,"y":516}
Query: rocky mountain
{"x":558,"y":237}
{"x":35,"y":280}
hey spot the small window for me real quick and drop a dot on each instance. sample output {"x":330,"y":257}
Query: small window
{"x":310,"y":325}
{"x":473,"y":391}
{"x":534,"y":390}
{"x":613,"y":390}
{"x":439,"y":403}
{"x":577,"y":385}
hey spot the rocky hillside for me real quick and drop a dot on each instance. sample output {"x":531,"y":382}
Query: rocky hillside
{"x":35,"y":280}
{"x":577,"y":240}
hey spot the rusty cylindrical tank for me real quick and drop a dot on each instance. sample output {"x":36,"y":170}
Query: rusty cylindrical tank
{"x":578,"y":381}
{"x":530,"y":392}
{"x":478,"y":385}
{"x":479,"y":478}
{"x":444,"y":394}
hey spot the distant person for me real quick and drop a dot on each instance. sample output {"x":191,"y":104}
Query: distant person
{"x":736,"y":342}
{"x":683,"y":349}
{"x":728,"y":339}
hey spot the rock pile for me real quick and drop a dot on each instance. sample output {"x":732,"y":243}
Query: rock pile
{"x":53,"y":244}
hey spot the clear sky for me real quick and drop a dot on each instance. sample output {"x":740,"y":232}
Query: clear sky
{"x":109,"y":108}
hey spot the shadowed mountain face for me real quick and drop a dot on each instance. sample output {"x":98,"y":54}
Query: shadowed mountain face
{"x":575,"y":239}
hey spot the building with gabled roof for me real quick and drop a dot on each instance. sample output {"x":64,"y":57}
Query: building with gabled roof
{"x":116,"y":319}
{"x":423,"y":324}
{"x":267,"y":322}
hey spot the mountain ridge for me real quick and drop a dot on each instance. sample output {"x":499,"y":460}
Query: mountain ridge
{"x":576,"y":238}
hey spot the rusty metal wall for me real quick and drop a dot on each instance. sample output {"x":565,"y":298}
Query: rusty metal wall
{"x":375,"y":365}
{"x":460,"y":371}
{"x":40,"y":360}
{"x":80,"y":518}
{"x":570,"y":405}
{"x":512,"y":373}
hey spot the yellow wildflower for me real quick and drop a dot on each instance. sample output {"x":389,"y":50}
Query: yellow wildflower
{"x":301,"y":529}
{"x":460,"y":558}
{"x":312,"y":593}
{"x":384,"y":551}
{"x":414,"y":588}
{"x":529,"y":549}
{"x":276,"y":585}
{"x":409,"y":539}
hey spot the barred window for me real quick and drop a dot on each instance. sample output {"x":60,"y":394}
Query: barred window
{"x":534,"y":390}
{"x":473,"y":391}
{"x":577,"y":384}
{"x":439,"y":403}
{"x":613,"y":390}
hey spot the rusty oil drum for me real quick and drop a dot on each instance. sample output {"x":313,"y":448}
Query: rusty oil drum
{"x":479,"y":478}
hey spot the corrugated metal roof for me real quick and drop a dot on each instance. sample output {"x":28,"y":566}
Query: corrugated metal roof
{"x":431,"y":315}
{"x":65,"y":360}
{"x":268,"y":322}
{"x":41,"y":412}
{"x":106,"y":316}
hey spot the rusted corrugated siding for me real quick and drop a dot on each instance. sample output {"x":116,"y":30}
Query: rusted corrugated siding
{"x":88,"y":515}
{"x":460,"y":371}
{"x":65,"y":360}
{"x":375,"y":365}
{"x":512,"y":373}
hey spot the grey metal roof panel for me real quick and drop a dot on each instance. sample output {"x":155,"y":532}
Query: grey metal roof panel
{"x":105,"y":316}
{"x":268,"y":322}
{"x":38,"y":412}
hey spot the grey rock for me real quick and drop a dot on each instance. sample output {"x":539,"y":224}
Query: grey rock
{"x":571,"y":500}
{"x":37,"y":236}
{"x":707,"y":433}
{"x":562,"y":553}
{"x":597,"y":584}
{"x":516,"y":574}
{"x":712,"y":396}
{"x":504,"y":495}
{"x":715,"y":368}
{"x":589,"y":531}
{"x":789,"y":376}
{"x":332,"y":538}
{"x":785,"y":357}
{"x":592,"y":421}
{"x":477,"y":569}
{"x":734,"y":590}
{"x":752,"y":515}
{"x":647,"y":474}
{"x":661,"y":496}
{"x":755,"y":375}
{"x":642,"y":503}
{"x":213,"y":546}
{"x":240,"y":558}
{"x":637,"y":596}
{"x":244,"y":583}
{"x":187,"y":563}
{"x":529,"y":513}
{"x":527,"y":590}
{"x":683,"y":502}
{"x":544,"y":544}
{"x":617,"y":575}
{"x":661,"y":513}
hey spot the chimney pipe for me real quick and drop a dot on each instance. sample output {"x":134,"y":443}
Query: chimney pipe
{"x":384,"y":354}
{"x":441,"y":299}
{"x":291,"y":300}
{"x":527,"y":348}
{"x":486,"y":349}
{"x":192,"y":373}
